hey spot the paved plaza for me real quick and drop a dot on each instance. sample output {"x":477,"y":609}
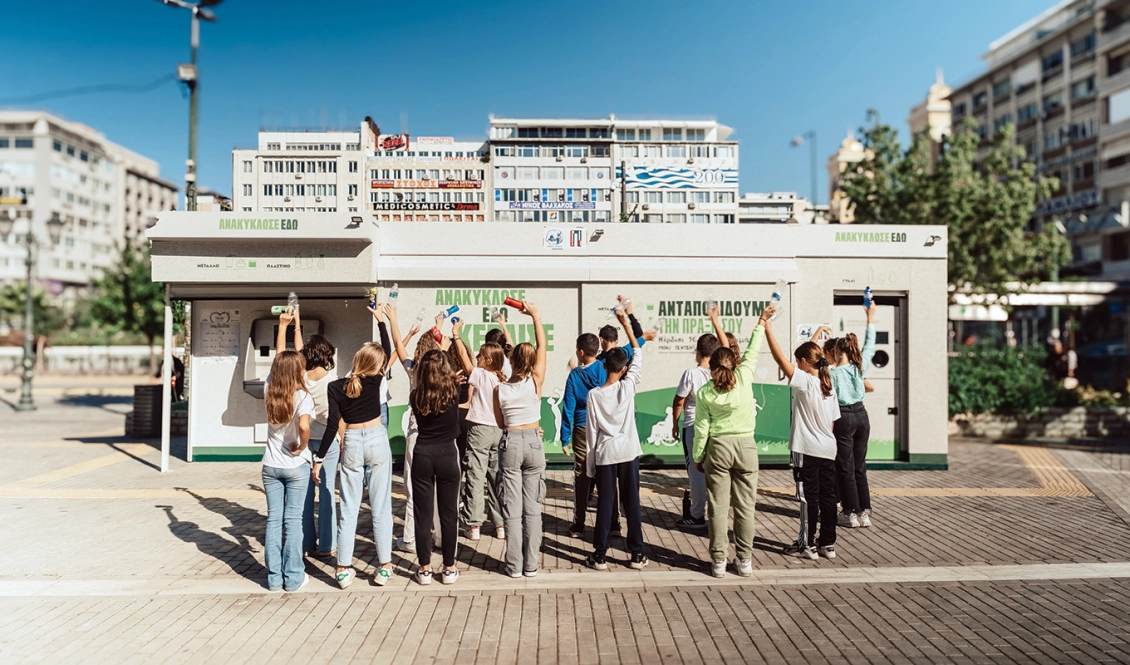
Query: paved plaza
{"x":1016,"y":554}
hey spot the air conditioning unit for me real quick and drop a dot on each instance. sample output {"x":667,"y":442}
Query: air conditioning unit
{"x":560,"y":158}
{"x":691,"y":160}
{"x":584,"y":160}
{"x":690,"y":206}
{"x":350,"y":197}
{"x":298,"y":176}
{"x":646,"y":206}
{"x":317,"y":198}
{"x":286,"y":198}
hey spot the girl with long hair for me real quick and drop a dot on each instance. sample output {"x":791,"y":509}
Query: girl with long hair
{"x":724,"y":448}
{"x":319,"y":354}
{"x":435,"y":469}
{"x":480,"y":459}
{"x":853,"y":429}
{"x":366,"y":459}
{"x":521,"y":453}
{"x":813,"y":446}
{"x":286,"y":470}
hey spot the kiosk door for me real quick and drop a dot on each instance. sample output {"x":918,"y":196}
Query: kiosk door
{"x":885,"y":406}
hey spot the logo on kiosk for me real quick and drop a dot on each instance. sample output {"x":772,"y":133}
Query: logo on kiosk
{"x":557,"y":239}
{"x":254,"y":224}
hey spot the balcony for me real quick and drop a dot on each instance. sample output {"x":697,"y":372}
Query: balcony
{"x":1052,"y":73}
{"x":1116,"y":36}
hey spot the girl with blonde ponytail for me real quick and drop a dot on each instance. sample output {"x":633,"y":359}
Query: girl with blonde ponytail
{"x":366,"y":458}
{"x":813,"y":445}
{"x":724,"y":448}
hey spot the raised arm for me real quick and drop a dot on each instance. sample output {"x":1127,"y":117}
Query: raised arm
{"x":284,"y":322}
{"x":715,"y":309}
{"x":501,"y":321}
{"x":868,"y":351}
{"x":297,"y":329}
{"x":779,"y":355}
{"x":379,"y":313}
{"x":401,"y":352}
{"x":464,"y":354}
{"x":539,"y":339}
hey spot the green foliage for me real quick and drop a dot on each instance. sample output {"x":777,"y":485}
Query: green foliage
{"x":987,"y":203}
{"x":127,"y":299}
{"x":1010,"y":381}
{"x":1089,"y":396}
{"x":47,"y":317}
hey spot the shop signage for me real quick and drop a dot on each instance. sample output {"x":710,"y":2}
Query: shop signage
{"x":392,"y":142}
{"x":551,"y":205}
{"x":435,"y":139}
{"x":442,"y":207}
{"x":426,"y":184}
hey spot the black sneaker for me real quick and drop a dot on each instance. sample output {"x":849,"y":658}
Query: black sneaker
{"x":693,"y":523}
{"x":596,"y":562}
{"x":638,"y":562}
{"x":576,"y":529}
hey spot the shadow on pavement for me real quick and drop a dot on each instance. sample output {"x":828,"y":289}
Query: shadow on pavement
{"x":96,"y":401}
{"x":248,"y":527}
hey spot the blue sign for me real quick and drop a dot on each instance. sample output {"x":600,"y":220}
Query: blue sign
{"x":662,"y":177}
{"x":551,"y":205}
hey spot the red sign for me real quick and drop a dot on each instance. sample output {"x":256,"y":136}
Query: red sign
{"x":392,"y":142}
{"x":460,"y":184}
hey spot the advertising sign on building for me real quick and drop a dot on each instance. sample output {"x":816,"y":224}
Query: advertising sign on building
{"x":662,"y":177}
{"x":408,"y":205}
{"x":558,"y":239}
{"x":434,"y":139}
{"x":551,"y":205}
{"x":392,"y":142}
{"x":426,"y":184}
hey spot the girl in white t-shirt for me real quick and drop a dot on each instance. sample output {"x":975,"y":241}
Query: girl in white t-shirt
{"x":286,"y":470}
{"x":813,"y":445}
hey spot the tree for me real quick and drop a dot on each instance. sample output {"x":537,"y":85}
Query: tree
{"x":127,"y":299}
{"x":47,"y":317}
{"x":987,"y":205}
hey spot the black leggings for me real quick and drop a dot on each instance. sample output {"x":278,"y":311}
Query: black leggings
{"x":435,"y":476}
{"x":852,"y":432}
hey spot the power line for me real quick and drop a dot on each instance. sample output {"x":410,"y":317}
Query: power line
{"x":128,"y":88}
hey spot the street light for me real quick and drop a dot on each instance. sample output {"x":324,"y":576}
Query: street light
{"x":799,"y":141}
{"x":188,"y":74}
{"x":54,"y":231}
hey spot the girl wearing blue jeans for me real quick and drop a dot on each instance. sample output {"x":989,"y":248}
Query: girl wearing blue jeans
{"x":286,"y":470}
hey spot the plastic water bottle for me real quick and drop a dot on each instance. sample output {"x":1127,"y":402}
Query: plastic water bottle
{"x":420,"y":316}
{"x":867,"y":297}
{"x":450,"y":311}
{"x":292,"y":302}
{"x":778,"y":297}
{"x":393,"y":295}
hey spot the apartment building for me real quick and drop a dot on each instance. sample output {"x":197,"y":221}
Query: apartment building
{"x":779,"y":208}
{"x":425,"y":178}
{"x":600,"y":170}
{"x":300,"y":171}
{"x":104,"y":193}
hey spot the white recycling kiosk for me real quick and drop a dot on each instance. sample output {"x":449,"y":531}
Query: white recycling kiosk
{"x":233,"y":267}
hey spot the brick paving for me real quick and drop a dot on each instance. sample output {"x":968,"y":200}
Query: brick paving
{"x":172,"y":572}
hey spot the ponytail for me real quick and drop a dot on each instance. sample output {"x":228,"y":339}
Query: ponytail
{"x":369,"y":360}
{"x":848,"y":345}
{"x":825,"y":378}
{"x":812,"y":354}
{"x":722,"y":364}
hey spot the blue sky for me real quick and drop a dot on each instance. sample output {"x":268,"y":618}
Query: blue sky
{"x":770,"y":70}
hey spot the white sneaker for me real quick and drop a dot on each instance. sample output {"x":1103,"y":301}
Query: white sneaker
{"x":849,"y":520}
{"x":473,"y":533}
{"x":382,"y":577}
{"x":305,"y":581}
{"x":829,"y":551}
{"x":531,"y":573}
{"x":449,"y":576}
{"x":864,"y":520}
{"x":744,"y":567}
{"x":802,"y":551}
{"x":345,"y":577}
{"x":404,"y":546}
{"x":500,"y":532}
{"x":423,"y":577}
{"x":718,"y":568}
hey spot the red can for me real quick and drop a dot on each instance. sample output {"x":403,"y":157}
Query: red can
{"x":512,"y":302}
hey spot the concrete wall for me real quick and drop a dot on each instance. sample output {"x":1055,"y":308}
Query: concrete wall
{"x":1075,"y":423}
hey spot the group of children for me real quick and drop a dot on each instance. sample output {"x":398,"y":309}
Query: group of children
{"x":473,"y":441}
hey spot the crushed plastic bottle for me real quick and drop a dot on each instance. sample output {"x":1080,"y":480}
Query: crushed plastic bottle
{"x":778,"y":297}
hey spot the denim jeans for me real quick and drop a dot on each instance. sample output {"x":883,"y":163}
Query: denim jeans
{"x":286,"y":491}
{"x":521,"y":491}
{"x":696,"y":477}
{"x":327,"y":499}
{"x":366,"y":459}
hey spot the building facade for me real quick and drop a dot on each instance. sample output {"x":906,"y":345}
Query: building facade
{"x":300,"y":171}
{"x":576,"y":170}
{"x":779,"y":208}
{"x":851,"y":152}
{"x":104,"y":194}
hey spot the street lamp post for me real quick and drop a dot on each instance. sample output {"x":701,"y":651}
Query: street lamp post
{"x":798,"y":141}
{"x":191,"y":78}
{"x":54,"y":229}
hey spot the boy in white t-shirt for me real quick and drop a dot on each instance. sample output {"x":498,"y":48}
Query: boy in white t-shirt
{"x":684,"y":404}
{"x":813,"y":445}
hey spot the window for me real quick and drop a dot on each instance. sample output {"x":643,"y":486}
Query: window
{"x":1118,"y":106}
{"x":300,"y":189}
{"x":421,"y":174}
{"x":247,"y":190}
{"x":268,"y":167}
{"x":552,"y":132}
{"x":599,"y":133}
{"x":30,"y":143}
{"x":726,"y":151}
{"x":1053,"y":61}
{"x":353,"y":190}
{"x":528,"y":151}
{"x":631,"y":197}
{"x":1083,"y":171}
{"x":723,"y":197}
{"x":723,"y":219}
{"x":700,"y":151}
{"x":526,"y":173}
{"x":1084,"y":88}
{"x":1001,"y":122}
{"x":504,"y":151}
{"x":1001,"y":88}
{"x":677,"y":151}
{"x":1053,"y":102}
{"x":552,"y":173}
{"x":676,"y":197}
{"x":672,"y":134}
{"x":433,"y":174}
{"x":601,"y":151}
{"x":274,"y":146}
{"x":626,"y":151}
{"x":353,"y":167}
{"x":645,"y":134}
{"x":653,"y":219}
{"x":576,"y":173}
{"x":553,"y":151}
{"x":288,"y":190}
{"x":266,"y":190}
{"x":246,"y":166}
{"x":527,"y":132}
{"x":1082,"y":130}
{"x":1053,"y":138}
{"x":700,"y":219}
{"x":653,"y":197}
{"x":576,"y":133}
{"x":56,"y":145}
{"x":577,"y":151}
{"x":698,"y":196}
{"x":696,"y":134}
{"x":71,"y":150}
{"x":652,"y":151}
{"x":625,"y":135}
{"x":1084,"y":45}
{"x":676,"y":219}
{"x":1026,"y":113}
{"x":980,"y":99}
